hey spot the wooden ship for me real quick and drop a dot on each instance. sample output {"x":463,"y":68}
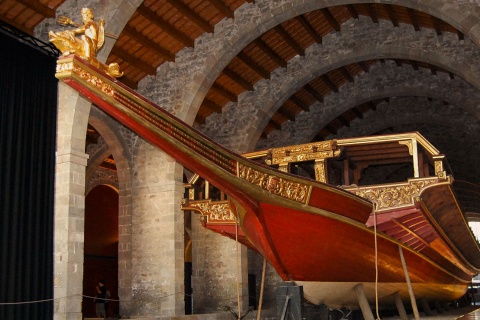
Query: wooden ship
{"x":332,"y":233}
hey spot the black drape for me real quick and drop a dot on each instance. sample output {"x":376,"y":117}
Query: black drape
{"x":28,"y":103}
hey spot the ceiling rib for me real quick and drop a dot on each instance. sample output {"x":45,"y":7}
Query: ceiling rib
{"x":165,"y":26}
{"x":192,"y":15}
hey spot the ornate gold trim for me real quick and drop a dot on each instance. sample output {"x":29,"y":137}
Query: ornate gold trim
{"x":303,"y":152}
{"x":409,"y":145}
{"x":214,"y":212}
{"x":279,"y":186}
{"x":70,"y":67}
{"x":388,"y":197}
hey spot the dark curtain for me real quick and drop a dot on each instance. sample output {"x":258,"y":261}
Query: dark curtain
{"x":28,"y":103}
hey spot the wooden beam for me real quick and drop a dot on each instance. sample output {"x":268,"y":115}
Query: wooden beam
{"x":192,"y":15}
{"x":165,"y":26}
{"x":200,"y":119}
{"x":286,"y":115}
{"x":134,"y":62}
{"x":413,"y":18}
{"x":269,"y":52}
{"x":17,"y":25}
{"x":289,"y":40}
{"x":414,"y":65}
{"x":346,"y":74}
{"x":308,"y":27}
{"x":372,"y":13}
{"x":343,"y":121}
{"x":330,"y":129}
{"x":391,"y":14}
{"x":436,"y":24}
{"x":38,"y":7}
{"x":253,"y":65}
{"x":352,"y":11}
{"x":274,"y":124}
{"x":146,"y":42}
{"x":224,"y":92}
{"x":237,"y":78}
{"x":225,"y":10}
{"x":330,"y":18}
{"x":212,"y":106}
{"x":129,"y":82}
{"x":363,"y":302}
{"x":363,"y":66}
{"x":329,"y":83}
{"x":299,"y":103}
{"x":314,"y":93}
{"x":357,"y":113}
{"x":385,"y":158}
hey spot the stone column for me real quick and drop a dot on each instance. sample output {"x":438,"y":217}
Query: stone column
{"x":71,"y":162}
{"x":157,"y":235}
{"x":217,"y":272}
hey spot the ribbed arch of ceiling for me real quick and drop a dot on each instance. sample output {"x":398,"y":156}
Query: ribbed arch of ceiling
{"x":455,"y":91}
{"x":274,"y":48}
{"x":366,"y":99}
{"x":256,"y":61}
{"x":401,"y":110}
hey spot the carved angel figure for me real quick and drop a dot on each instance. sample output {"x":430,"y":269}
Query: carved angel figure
{"x":87,"y":46}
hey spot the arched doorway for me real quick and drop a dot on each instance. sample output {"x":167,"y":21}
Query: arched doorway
{"x":101,"y":247}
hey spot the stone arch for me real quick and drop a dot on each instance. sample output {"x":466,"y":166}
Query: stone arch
{"x":269,"y":95}
{"x":302,"y":70}
{"x":108,"y":129}
{"x":102,"y":182}
{"x":308,"y":124}
{"x":252,"y":22}
{"x":398,"y":111}
{"x":417,"y":113}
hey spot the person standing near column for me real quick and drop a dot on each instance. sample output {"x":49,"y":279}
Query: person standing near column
{"x":100,"y":299}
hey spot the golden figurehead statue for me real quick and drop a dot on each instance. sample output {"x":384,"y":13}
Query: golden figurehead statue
{"x":87,"y":45}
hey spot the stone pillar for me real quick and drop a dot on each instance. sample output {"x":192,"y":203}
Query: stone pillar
{"x":214,"y":276}
{"x":71,"y":162}
{"x":157,"y":235}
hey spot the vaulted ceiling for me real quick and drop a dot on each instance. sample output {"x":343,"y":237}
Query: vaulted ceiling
{"x":159,"y":29}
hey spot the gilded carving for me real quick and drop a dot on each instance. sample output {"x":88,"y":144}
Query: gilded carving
{"x":439,"y":171}
{"x":215,"y":212}
{"x":87,"y":45}
{"x":393,"y":196}
{"x":304,"y":157}
{"x":409,"y":145}
{"x":94,"y":80}
{"x":306,"y":148}
{"x":276,"y":185}
{"x":303,"y":152}
{"x":320,"y":174}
